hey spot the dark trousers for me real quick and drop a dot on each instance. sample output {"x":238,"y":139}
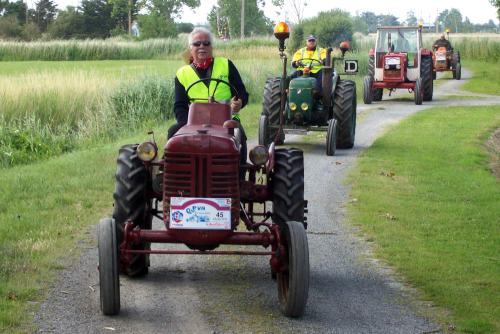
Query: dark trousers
{"x":176,"y":126}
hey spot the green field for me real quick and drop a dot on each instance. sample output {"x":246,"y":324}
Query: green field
{"x":50,"y":108}
{"x":427,"y":198}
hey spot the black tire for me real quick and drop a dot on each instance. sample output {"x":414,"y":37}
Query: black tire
{"x":377,"y":95}
{"x":434,"y":75}
{"x":109,"y":280}
{"x":367,"y":90}
{"x":344,"y":110}
{"x":458,"y":71}
{"x":426,"y":75}
{"x":293,"y":282}
{"x":331,"y":137}
{"x":132,"y":203}
{"x":287,"y":182}
{"x":271,"y":108}
{"x":264,"y":137}
{"x":418,"y":93}
{"x":371,"y":66}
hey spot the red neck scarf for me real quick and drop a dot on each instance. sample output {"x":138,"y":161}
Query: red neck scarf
{"x":204,"y":65}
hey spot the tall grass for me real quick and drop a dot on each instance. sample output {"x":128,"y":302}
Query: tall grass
{"x":118,"y":49}
{"x":46,"y":114}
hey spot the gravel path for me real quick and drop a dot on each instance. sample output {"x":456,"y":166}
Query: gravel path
{"x":350,"y":292}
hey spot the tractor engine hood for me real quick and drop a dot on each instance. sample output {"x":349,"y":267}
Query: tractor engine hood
{"x":300,"y":99}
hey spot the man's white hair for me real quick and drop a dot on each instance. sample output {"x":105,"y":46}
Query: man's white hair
{"x":197,"y":30}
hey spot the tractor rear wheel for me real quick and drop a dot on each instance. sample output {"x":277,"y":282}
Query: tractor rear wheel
{"x":417,"y":91}
{"x":344,"y":110}
{"x":367,"y":90}
{"x":458,"y":72}
{"x":331,"y":137}
{"x":426,"y":75}
{"x":287,"y":182}
{"x":271,"y":109}
{"x":131,"y":203}
{"x":377,"y":95}
{"x":293,"y":281}
{"x":109,"y":280}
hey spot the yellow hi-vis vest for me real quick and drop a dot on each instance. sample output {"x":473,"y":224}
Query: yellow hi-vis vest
{"x":220,"y":70}
{"x":315,"y":55}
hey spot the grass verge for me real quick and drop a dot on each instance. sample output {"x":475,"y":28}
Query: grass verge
{"x":484,"y":77}
{"x":426,"y":196}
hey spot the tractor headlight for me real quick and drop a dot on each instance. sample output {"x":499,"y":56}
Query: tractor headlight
{"x":386,"y":66}
{"x":304,"y":106}
{"x":398,"y":66}
{"x":259,"y":155}
{"x":293,"y":106}
{"x":147,"y":151}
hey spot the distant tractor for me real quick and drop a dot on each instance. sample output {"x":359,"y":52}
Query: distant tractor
{"x":446,"y":59}
{"x":399,"y":61}
{"x":293,"y":105}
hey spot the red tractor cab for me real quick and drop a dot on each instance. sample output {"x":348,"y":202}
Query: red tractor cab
{"x":202,"y":192}
{"x":399,"y":61}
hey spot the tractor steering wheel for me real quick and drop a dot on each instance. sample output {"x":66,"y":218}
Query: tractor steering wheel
{"x":211,"y":98}
{"x":312,"y":62}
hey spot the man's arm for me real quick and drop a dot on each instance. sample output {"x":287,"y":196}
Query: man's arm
{"x":235,"y":80}
{"x":181,"y":103}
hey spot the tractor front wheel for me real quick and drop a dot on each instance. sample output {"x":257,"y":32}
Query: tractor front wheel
{"x":131,"y":203}
{"x":417,"y":91}
{"x":458,"y":72}
{"x":367,"y":90}
{"x":427,"y":81}
{"x":271,"y":108}
{"x":378,"y":94}
{"x":287,"y":182}
{"x":109,"y":281}
{"x":293,"y":281}
{"x":331,"y":137}
{"x":344,"y":110}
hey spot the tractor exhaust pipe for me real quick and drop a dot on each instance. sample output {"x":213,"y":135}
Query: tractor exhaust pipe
{"x":326,"y":82}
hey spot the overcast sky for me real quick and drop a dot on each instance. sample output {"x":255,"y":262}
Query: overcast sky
{"x":478,"y":11}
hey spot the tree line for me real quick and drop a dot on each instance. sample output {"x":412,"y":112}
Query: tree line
{"x":156,"y":18}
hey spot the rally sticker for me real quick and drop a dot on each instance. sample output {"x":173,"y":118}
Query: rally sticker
{"x":200,"y":213}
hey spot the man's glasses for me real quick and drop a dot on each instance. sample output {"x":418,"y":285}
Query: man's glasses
{"x":311,"y":40}
{"x":199,"y":43}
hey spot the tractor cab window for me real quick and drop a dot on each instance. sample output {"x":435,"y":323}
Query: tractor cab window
{"x":397,"y":40}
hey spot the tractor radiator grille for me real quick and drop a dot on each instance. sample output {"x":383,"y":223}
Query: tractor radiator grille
{"x":210,"y":176}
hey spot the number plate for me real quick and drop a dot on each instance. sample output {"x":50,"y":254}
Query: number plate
{"x":200,"y":213}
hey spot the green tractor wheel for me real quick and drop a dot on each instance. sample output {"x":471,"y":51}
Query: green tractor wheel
{"x":344,"y":110}
{"x":331,"y":137}
{"x":271,"y":109}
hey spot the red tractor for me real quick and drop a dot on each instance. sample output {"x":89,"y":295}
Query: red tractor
{"x":446,"y":59}
{"x":201,"y":192}
{"x":399,"y":61}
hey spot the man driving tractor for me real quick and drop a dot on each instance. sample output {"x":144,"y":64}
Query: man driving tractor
{"x":310,"y":56}
{"x":442,"y":42}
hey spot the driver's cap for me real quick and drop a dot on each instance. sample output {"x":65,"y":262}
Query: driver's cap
{"x":311,"y":37}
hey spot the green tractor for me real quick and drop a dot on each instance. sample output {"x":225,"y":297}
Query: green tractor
{"x":293,"y":105}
